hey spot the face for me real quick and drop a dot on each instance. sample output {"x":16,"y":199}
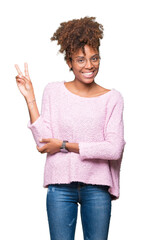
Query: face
{"x":85,"y":67}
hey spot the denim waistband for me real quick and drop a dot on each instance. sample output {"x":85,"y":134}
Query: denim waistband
{"x":77,"y":183}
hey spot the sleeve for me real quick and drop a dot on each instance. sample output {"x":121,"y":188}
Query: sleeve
{"x":112,"y":146}
{"x":41,"y":128}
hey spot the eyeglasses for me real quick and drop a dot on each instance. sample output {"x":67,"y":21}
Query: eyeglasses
{"x":81,"y":61}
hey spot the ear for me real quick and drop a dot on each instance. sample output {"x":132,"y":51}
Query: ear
{"x":69,"y":63}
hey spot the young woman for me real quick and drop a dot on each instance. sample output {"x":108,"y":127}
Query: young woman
{"x":81,"y":129}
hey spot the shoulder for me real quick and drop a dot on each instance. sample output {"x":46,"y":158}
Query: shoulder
{"x":51,"y":86}
{"x":117,"y":94}
{"x":115,"y":99}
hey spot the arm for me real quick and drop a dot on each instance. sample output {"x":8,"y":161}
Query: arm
{"x":111,"y":148}
{"x":32,"y":108}
{"x":39,"y":124}
{"x":26,"y":88}
{"x":41,"y":127}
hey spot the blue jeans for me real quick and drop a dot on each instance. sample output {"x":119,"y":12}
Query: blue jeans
{"x":62,"y":206}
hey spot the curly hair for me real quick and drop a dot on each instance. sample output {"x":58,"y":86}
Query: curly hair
{"x":75,"y":34}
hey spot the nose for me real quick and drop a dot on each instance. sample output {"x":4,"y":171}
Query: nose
{"x":88,"y":64}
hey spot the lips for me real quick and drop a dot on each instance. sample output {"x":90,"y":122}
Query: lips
{"x":88,"y":74}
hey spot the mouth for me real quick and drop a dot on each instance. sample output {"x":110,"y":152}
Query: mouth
{"x":88,"y":74}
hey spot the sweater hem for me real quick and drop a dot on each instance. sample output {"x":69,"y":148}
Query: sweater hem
{"x":114,"y":196}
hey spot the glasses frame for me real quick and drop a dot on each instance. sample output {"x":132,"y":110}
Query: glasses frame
{"x":95,"y":63}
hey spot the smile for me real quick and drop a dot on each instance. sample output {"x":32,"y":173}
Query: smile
{"x":88,"y":74}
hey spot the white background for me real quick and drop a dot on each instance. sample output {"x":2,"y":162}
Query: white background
{"x":26,"y":28}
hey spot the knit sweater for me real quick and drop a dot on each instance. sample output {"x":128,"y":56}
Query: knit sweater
{"x":95,"y":123}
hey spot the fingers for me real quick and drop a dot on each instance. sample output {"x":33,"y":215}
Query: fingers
{"x":26,"y":70}
{"x":18,"y":70}
{"x":44,"y":140}
{"x":41,"y":149}
{"x":21,"y":79}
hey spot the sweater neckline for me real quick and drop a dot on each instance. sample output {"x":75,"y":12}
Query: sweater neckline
{"x":86,"y":98}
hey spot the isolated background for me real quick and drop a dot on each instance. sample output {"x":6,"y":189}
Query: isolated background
{"x":26,"y":28}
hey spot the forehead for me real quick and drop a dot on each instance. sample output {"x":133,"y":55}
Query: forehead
{"x":89,"y":51}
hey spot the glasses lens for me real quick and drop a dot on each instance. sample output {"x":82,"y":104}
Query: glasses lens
{"x":82,"y":61}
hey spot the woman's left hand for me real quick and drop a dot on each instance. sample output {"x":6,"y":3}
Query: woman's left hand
{"x":52,"y":145}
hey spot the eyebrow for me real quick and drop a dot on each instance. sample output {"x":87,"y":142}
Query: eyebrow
{"x":84,"y":56}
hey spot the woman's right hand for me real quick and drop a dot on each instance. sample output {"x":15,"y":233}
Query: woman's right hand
{"x":24,"y":83}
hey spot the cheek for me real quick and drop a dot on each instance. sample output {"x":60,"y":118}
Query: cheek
{"x":78,"y":74}
{"x":97,"y":68}
{"x":76,"y":71}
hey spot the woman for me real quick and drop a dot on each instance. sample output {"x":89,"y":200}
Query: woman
{"x":81,"y":130}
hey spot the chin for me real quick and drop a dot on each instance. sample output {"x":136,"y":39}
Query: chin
{"x":88,"y":80}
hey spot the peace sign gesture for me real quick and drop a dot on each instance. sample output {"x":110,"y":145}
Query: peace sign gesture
{"x":24,"y":83}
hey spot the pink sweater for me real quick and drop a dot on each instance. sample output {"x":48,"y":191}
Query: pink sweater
{"x":95,"y":123}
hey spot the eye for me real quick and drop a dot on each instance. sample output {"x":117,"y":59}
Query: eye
{"x":80,"y":60}
{"x":94,"y":59}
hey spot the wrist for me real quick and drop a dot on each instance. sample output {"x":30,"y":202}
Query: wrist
{"x":30,"y":98}
{"x":67,"y":145}
{"x":63,"y":146}
{"x":72,"y":147}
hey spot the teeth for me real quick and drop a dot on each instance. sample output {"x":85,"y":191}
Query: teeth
{"x":88,"y":73}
